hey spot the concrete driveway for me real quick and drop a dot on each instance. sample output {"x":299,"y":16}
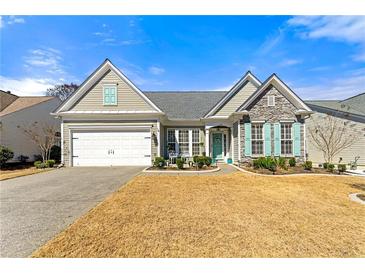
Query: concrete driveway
{"x":35,"y":208}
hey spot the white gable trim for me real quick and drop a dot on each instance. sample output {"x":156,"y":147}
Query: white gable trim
{"x":248,"y":77}
{"x":283,"y":88}
{"x":93,"y":78}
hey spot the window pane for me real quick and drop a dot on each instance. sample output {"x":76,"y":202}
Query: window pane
{"x":257,"y":139}
{"x":195,"y":133}
{"x":196,"y":149}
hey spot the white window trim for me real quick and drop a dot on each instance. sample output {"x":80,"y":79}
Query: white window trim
{"x":292,"y":140}
{"x":116,"y":94}
{"x":263,"y":140}
{"x":273,"y":100}
{"x":177,"y":146}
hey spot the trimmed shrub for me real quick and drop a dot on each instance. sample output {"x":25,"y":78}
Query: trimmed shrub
{"x":159,"y":162}
{"x":5,"y":154}
{"x":195,"y":158}
{"x":39,"y":164}
{"x":180,"y":163}
{"x":307,"y":165}
{"x":325,"y":165}
{"x":50,"y":163}
{"x":272,"y":167}
{"x":341,"y":168}
{"x":292,"y":162}
{"x":331,"y":167}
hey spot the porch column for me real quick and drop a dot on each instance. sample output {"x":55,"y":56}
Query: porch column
{"x":207,"y":142}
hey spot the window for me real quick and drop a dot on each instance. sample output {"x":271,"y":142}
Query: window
{"x":286,"y":139}
{"x":257,"y":139}
{"x":271,"y":100}
{"x":195,"y":142}
{"x":184,"y":141}
{"x":110,"y":95}
{"x":171,"y":140}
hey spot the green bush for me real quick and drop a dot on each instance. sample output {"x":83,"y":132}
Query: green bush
{"x":50,"y":163}
{"x":55,"y":153}
{"x":159,"y":162}
{"x":39,"y":164}
{"x":307,"y":165}
{"x":272,"y":166}
{"x":207,"y":160}
{"x":325,"y":165}
{"x":292,"y":162}
{"x":331,"y":167}
{"x":195,"y":158}
{"x":281,"y":162}
{"x":180,"y":163}
{"x":341,"y":167}
{"x":263,"y":162}
{"x":5,"y":154}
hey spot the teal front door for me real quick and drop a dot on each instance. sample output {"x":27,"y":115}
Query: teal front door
{"x":217,"y":146}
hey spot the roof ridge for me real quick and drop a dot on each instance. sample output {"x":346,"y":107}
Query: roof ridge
{"x":363,"y":93}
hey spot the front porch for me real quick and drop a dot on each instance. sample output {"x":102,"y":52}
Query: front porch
{"x":218,"y":143}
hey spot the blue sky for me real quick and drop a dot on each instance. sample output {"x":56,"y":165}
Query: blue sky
{"x":318,"y":57}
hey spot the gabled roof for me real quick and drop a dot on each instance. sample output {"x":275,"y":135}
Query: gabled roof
{"x":6,"y":98}
{"x":185,"y":105}
{"x":24,"y":102}
{"x":93,"y":78}
{"x":282,"y":87}
{"x":353,"y":105}
{"x":248,"y":77}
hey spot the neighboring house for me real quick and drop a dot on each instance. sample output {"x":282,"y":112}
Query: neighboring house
{"x":17,"y":112}
{"x":351,"y":110}
{"x":109,"y":121}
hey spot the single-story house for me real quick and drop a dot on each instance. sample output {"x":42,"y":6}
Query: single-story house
{"x":108,"y":120}
{"x":350,"y":110}
{"x":18,"y":112}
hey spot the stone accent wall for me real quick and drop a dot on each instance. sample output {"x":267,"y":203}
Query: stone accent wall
{"x":260,"y":111}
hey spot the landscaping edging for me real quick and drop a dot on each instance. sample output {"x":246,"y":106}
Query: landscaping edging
{"x":285,"y":175}
{"x":354,"y":198}
{"x":180,"y":171}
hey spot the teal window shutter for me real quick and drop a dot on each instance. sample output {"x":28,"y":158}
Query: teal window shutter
{"x":267,"y":132}
{"x":248,"y":139}
{"x":277,"y":139}
{"x":296,"y":133}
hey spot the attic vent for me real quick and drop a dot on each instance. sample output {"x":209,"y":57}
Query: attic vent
{"x":271,"y":100}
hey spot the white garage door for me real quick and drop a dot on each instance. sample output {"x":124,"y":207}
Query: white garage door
{"x":125,"y":148}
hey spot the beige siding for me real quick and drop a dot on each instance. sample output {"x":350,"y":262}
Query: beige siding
{"x":13,"y":136}
{"x":128,"y":99}
{"x":357,"y":149}
{"x":237,"y":100}
{"x":66,"y":135}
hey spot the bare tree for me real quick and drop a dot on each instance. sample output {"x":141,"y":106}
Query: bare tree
{"x":332,"y":135}
{"x":44,"y":136}
{"x":62,"y":91}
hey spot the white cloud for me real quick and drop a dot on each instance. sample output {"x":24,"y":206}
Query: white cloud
{"x":26,"y":86}
{"x":348,"y":29}
{"x":156,"y":70}
{"x":290,"y":62}
{"x":340,"y":88}
{"x":47,"y":58}
{"x":10,"y":20}
{"x":271,"y":42}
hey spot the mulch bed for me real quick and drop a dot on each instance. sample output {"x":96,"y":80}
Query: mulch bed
{"x":172,"y":168}
{"x":290,"y":170}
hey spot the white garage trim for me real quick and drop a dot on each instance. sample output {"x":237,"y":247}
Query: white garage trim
{"x":121,"y":155}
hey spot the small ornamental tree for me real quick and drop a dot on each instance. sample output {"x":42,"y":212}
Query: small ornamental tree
{"x":332,"y":135}
{"x":62,"y":91}
{"x":44,"y":136}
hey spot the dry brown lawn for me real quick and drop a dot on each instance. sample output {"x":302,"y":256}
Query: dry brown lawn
{"x":234,"y":215}
{"x":9,"y":174}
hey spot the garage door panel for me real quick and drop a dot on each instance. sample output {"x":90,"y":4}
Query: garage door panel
{"x":111,"y":148}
